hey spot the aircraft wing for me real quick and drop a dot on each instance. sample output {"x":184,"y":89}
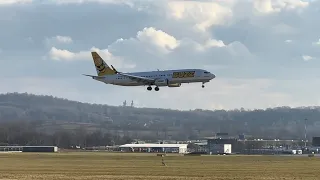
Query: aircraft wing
{"x":145,"y":80}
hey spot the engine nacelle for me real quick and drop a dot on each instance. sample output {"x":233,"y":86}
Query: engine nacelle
{"x":165,"y":82}
{"x":174,"y":85}
{"x":161,"y":82}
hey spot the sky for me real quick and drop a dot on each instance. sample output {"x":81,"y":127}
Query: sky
{"x":264,"y":53}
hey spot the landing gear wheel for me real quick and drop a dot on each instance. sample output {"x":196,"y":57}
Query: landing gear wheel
{"x":156,"y":88}
{"x":149,"y":88}
{"x":202,"y":86}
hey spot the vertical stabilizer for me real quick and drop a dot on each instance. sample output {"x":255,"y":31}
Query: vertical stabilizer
{"x":102,"y":67}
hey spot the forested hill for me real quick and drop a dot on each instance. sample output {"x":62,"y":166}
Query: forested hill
{"x":49,"y":113}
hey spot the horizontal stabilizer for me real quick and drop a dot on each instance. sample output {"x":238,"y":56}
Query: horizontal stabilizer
{"x":94,"y":77}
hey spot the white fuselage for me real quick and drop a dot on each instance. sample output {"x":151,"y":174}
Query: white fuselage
{"x":172,"y":76}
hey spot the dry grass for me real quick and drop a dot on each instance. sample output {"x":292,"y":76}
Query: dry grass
{"x":94,"y":165}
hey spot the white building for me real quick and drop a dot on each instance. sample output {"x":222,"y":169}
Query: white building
{"x":163,"y":148}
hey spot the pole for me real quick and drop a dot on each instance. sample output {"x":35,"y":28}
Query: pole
{"x":305,"y":132}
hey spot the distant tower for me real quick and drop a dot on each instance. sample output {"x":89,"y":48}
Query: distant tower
{"x":132,"y":103}
{"x":125,"y":103}
{"x":305,"y":132}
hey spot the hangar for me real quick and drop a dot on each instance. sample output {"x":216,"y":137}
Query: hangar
{"x":155,"y":148}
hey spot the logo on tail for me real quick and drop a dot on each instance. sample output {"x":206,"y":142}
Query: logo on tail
{"x":101,"y":66}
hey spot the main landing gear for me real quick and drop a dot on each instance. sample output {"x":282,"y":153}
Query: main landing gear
{"x":149,"y":88}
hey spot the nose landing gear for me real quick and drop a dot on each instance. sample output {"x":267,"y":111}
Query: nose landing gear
{"x":203,"y":85}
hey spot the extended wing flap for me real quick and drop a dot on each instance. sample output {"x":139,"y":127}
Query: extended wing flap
{"x":139,"y":78}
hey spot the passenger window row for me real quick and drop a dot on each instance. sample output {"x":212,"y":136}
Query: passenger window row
{"x":123,"y":77}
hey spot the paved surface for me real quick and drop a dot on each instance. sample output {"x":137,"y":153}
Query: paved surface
{"x":298,"y":155}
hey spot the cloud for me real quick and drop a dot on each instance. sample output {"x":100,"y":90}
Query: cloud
{"x":65,"y":55}
{"x":202,"y":14}
{"x":10,"y":2}
{"x":58,"y":40}
{"x":273,"y":6}
{"x":158,"y":47}
{"x":58,"y":54}
{"x":317,"y":43}
{"x":62,"y":39}
{"x":307,"y":58}
{"x":157,"y":38}
{"x":257,"y":49}
{"x":128,"y":2}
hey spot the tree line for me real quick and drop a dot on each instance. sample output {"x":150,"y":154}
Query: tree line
{"x":24,"y":133}
{"x":49,"y":115}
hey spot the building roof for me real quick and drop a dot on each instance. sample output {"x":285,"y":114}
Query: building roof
{"x":154,"y":145}
{"x":201,"y":143}
{"x":26,"y":146}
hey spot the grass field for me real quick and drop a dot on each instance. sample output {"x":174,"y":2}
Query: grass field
{"x":100,"y":165}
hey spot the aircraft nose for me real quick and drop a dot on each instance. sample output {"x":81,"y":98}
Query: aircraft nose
{"x":213,"y":76}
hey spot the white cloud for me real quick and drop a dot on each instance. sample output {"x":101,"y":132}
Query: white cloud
{"x":307,"y":58}
{"x":10,"y":2}
{"x":158,"y":38}
{"x":58,"y":40}
{"x":274,"y":6}
{"x":128,"y":2}
{"x":214,"y":43}
{"x":161,"y":49}
{"x":317,"y":43}
{"x":202,"y":14}
{"x":264,"y":6}
{"x":65,"y":55}
{"x":59,"y":54}
{"x":64,"y":39}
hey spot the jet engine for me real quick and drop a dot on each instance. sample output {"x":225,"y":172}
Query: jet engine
{"x":174,"y":85}
{"x":165,"y":82}
{"x":161,"y":82}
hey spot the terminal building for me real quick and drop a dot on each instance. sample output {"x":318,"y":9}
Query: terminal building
{"x":155,"y":148}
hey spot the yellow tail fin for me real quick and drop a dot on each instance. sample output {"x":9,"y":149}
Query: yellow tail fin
{"x":102,"y":67}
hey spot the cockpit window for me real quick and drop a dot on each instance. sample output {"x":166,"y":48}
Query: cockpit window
{"x":206,"y":72}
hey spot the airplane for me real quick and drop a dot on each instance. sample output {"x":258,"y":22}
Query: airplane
{"x":169,"y":78}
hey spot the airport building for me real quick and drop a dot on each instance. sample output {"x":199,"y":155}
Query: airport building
{"x":315,"y":141}
{"x":155,"y":148}
{"x":10,"y":148}
{"x":28,"y":149}
{"x":222,"y":144}
{"x":39,"y":149}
